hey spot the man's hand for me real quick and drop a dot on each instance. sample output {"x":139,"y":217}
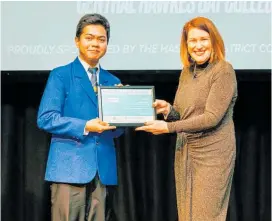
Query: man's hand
{"x":96,"y":125}
{"x":162,"y":107}
{"x":155,"y":127}
{"x":120,"y":85}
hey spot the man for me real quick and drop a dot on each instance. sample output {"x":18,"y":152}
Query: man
{"x":82,"y":157}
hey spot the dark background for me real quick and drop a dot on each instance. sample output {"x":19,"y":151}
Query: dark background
{"x":146,"y":190}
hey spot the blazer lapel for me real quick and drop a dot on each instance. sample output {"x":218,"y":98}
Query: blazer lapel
{"x":86,"y":84}
{"x":103,"y":80}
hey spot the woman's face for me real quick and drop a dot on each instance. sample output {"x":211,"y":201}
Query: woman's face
{"x":199,"y":45}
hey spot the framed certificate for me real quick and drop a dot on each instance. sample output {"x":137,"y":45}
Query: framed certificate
{"x":127,"y":105}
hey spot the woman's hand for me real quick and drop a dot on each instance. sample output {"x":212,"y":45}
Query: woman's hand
{"x":155,"y":127}
{"x":162,"y":107}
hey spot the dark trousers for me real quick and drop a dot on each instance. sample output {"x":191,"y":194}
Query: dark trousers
{"x":76,"y":202}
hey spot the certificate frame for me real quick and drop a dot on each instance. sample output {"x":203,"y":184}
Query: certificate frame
{"x":125,"y":120}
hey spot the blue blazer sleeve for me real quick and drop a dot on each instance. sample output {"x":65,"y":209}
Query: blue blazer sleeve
{"x":50,"y":115}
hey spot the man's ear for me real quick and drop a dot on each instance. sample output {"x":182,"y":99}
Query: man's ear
{"x":76,"y":41}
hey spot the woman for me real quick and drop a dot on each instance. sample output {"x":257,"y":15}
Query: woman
{"x":202,"y":118}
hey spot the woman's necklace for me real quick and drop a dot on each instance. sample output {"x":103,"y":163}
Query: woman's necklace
{"x":200,"y":71}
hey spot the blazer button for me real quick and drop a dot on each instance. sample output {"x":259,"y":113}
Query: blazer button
{"x":97,"y":143}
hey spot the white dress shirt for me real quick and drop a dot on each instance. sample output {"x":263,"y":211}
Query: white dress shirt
{"x":86,"y":66}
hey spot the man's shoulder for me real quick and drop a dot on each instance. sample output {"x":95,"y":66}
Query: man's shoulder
{"x":62,"y":70}
{"x":110,"y":76}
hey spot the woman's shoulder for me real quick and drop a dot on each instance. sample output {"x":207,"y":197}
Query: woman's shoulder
{"x":184,"y":73}
{"x":223,"y":65}
{"x":222,"y":68}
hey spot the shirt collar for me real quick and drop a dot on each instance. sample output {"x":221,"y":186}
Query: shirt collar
{"x":86,"y":66}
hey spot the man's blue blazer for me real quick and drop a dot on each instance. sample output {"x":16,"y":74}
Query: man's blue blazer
{"x":68,"y":102}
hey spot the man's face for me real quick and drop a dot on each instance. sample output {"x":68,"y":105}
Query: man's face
{"x":92,"y":43}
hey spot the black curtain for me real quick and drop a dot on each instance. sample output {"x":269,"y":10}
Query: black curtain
{"x":146,"y":190}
